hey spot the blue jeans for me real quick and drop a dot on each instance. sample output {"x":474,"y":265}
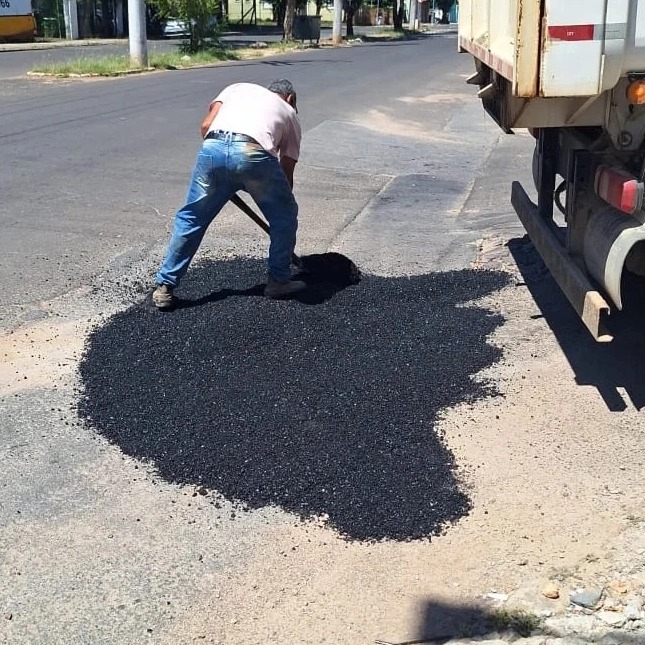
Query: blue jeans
{"x":223,"y":167}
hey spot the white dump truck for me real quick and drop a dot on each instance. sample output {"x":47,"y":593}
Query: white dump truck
{"x":573,"y":73}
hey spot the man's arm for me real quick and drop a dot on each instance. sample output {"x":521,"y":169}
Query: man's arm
{"x":288,"y":165}
{"x":213,"y":109}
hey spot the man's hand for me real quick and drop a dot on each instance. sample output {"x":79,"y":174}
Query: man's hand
{"x":288,"y":165}
{"x":213,"y":109}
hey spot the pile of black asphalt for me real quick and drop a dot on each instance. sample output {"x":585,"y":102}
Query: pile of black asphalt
{"x":323,"y":405}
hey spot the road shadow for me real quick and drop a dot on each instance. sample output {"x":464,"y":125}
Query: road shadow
{"x":442,"y":621}
{"x":327,"y":412}
{"x":612,"y":368}
{"x":401,"y":40}
{"x":299,"y":61}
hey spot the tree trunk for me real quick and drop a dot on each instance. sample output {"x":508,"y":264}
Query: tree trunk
{"x":86,"y":26}
{"x":349,"y":19}
{"x":289,"y":14}
{"x":397,"y":15}
{"x":106,"y":19}
{"x":278,"y":15}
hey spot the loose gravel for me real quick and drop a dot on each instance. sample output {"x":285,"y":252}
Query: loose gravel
{"x":323,"y":405}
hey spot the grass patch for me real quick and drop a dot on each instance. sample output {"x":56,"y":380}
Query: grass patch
{"x":521,"y":622}
{"x":178,"y":60}
{"x":120,"y":65}
{"x":280,"y":47}
{"x":109,"y":66}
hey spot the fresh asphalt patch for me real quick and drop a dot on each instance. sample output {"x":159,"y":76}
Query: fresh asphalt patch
{"x":323,"y":405}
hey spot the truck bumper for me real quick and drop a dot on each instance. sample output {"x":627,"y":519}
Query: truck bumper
{"x":585,"y":299}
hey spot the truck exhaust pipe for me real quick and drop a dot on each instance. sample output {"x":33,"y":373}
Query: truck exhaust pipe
{"x":611,"y":238}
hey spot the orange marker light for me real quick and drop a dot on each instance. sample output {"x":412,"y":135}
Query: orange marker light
{"x":636,"y":93}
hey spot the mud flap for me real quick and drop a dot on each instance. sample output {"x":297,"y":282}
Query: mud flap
{"x":609,"y":238}
{"x":585,"y":299}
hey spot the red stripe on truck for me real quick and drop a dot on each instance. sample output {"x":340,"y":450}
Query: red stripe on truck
{"x":572,"y":33}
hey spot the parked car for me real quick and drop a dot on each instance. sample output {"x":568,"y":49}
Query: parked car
{"x":174,"y":27}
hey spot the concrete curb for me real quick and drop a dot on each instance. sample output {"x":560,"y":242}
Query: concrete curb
{"x":17,"y":47}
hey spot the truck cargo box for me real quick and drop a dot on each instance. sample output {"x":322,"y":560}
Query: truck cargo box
{"x":555,"y":48}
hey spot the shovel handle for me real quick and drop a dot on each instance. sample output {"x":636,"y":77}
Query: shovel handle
{"x":247,"y":210}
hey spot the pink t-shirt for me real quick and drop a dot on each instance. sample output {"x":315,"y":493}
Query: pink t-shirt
{"x":259,"y":113}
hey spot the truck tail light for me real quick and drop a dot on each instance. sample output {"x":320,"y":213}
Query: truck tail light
{"x":636,"y":92}
{"x":619,"y":189}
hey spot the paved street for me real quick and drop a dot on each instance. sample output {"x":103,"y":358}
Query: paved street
{"x":136,"y":137}
{"x":365,"y":464}
{"x":18,"y":59}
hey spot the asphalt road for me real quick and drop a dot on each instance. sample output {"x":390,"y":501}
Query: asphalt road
{"x":394,"y":409}
{"x":97,"y":168}
{"x":106,"y":536}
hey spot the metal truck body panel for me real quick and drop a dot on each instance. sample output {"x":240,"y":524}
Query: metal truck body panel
{"x":556,"y":48}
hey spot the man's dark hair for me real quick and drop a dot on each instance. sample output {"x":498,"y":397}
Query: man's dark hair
{"x":283,"y":87}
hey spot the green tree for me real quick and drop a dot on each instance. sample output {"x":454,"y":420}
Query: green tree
{"x":199,"y":15}
{"x":350,"y":7}
{"x":280,"y":10}
{"x":289,"y":15}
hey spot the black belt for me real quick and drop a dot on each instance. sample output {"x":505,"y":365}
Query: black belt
{"x":232,"y":136}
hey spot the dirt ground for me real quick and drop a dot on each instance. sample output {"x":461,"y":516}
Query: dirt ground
{"x":552,"y":464}
{"x":553,"y":473}
{"x":552,"y":489}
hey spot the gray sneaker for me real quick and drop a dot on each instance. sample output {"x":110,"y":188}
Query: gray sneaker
{"x":282,"y":289}
{"x":162,"y":296}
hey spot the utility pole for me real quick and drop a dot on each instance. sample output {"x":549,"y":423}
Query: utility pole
{"x":71,"y":19}
{"x":336,"y":35}
{"x":413,"y":14}
{"x":137,"y":33}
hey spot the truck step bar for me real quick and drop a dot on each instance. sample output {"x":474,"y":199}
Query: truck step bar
{"x":585,"y":299}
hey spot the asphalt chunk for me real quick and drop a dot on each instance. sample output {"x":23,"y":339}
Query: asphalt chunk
{"x":323,"y":405}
